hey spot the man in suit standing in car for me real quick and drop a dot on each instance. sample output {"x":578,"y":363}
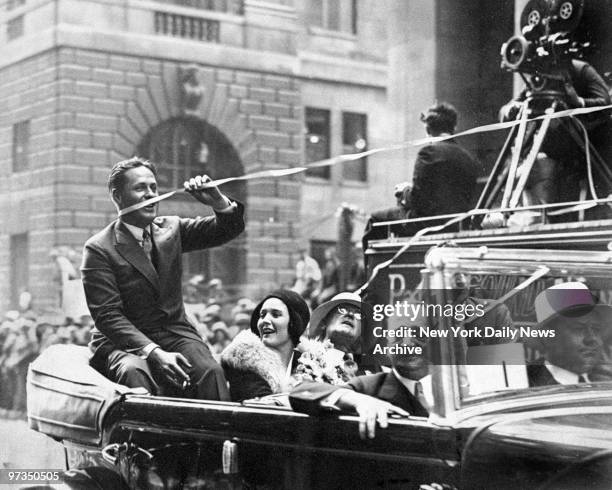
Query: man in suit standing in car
{"x":132,"y":277}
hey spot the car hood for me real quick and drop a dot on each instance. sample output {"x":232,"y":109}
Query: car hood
{"x":503,"y":404}
{"x":536,"y":438}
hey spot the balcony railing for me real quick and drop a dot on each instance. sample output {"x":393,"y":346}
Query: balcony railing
{"x":187,"y":27}
{"x":235,"y":7}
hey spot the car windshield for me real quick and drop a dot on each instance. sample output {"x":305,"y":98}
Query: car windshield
{"x":498,"y":323}
{"x":526,"y":329}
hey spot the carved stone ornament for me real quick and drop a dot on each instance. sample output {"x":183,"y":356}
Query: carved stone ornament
{"x":191,"y":88}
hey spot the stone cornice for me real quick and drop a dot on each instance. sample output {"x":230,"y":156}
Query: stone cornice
{"x":307,"y":65}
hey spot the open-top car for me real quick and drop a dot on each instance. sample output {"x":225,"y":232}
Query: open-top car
{"x":487,"y":428}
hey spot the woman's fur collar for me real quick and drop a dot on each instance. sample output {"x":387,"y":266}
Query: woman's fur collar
{"x":248,"y":353}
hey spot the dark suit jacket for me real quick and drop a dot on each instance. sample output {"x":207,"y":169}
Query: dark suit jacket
{"x":379,"y":232}
{"x":131,"y":302}
{"x":306,"y":397}
{"x":538,"y":375}
{"x":444,"y":181}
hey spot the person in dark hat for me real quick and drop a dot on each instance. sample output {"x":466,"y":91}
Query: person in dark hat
{"x":340,"y":321}
{"x":260,"y":361}
{"x":575,"y":323}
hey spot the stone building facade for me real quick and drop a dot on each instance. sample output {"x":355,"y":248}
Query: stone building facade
{"x":226,"y":87}
{"x":198,"y":86}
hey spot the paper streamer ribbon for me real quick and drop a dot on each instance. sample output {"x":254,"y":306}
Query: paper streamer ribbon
{"x":569,"y":207}
{"x":540,"y":272}
{"x":357,"y":156}
{"x":411,"y":241}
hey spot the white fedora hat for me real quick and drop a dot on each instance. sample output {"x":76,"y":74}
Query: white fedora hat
{"x":563,"y":298}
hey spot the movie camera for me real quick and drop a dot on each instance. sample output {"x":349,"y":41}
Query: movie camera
{"x":542,"y":54}
{"x":544,"y":49}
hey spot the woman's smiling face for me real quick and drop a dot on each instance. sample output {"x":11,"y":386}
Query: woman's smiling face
{"x":273,"y":323}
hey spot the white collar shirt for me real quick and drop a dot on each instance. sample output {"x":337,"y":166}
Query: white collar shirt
{"x":135,"y":231}
{"x":563,"y":376}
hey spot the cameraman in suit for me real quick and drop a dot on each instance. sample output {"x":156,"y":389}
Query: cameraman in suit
{"x":131,"y":272}
{"x":557,"y":167}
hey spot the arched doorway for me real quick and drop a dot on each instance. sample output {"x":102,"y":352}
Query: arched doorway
{"x":184,"y":147}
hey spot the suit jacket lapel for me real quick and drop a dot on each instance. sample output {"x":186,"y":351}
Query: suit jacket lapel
{"x":130,"y":250}
{"x":393,"y":391}
{"x":539,"y":375}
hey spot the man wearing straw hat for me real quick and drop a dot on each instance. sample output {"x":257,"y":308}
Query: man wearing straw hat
{"x":575,"y":323}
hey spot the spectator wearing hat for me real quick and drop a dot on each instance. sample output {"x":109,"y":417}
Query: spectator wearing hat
{"x":21,"y":347}
{"x":340,"y":320}
{"x":260,"y":361}
{"x":330,"y":278}
{"x":307,"y":275}
{"x":244,"y":306}
{"x":211,"y":314}
{"x":574,"y":347}
{"x":444,"y":180}
{"x":401,"y":192}
{"x":241,"y":321}
{"x":220,"y":338}
{"x":216,"y":292}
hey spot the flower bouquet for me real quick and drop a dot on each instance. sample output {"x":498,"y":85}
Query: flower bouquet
{"x":323,"y":363}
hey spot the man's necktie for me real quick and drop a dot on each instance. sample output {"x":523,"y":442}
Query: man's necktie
{"x":420,"y":395}
{"x":147,"y":244}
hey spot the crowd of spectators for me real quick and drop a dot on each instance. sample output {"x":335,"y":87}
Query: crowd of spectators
{"x":23,"y":335}
{"x":218,"y":323}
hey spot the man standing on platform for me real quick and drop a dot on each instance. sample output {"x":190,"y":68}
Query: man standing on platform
{"x":132,"y":277}
{"x":444,"y":180}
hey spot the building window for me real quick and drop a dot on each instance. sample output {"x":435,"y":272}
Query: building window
{"x":14,"y":28}
{"x":354,"y":140}
{"x":19,"y":250}
{"x":21,"y":143}
{"x":317,"y":140}
{"x":334,"y":15}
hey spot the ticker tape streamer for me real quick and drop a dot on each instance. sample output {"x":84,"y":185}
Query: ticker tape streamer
{"x":539,"y":272}
{"x":569,"y":207}
{"x":351,"y":157}
{"x":408,"y":244}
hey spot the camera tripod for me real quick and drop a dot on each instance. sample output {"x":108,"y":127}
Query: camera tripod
{"x":509,"y":176}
